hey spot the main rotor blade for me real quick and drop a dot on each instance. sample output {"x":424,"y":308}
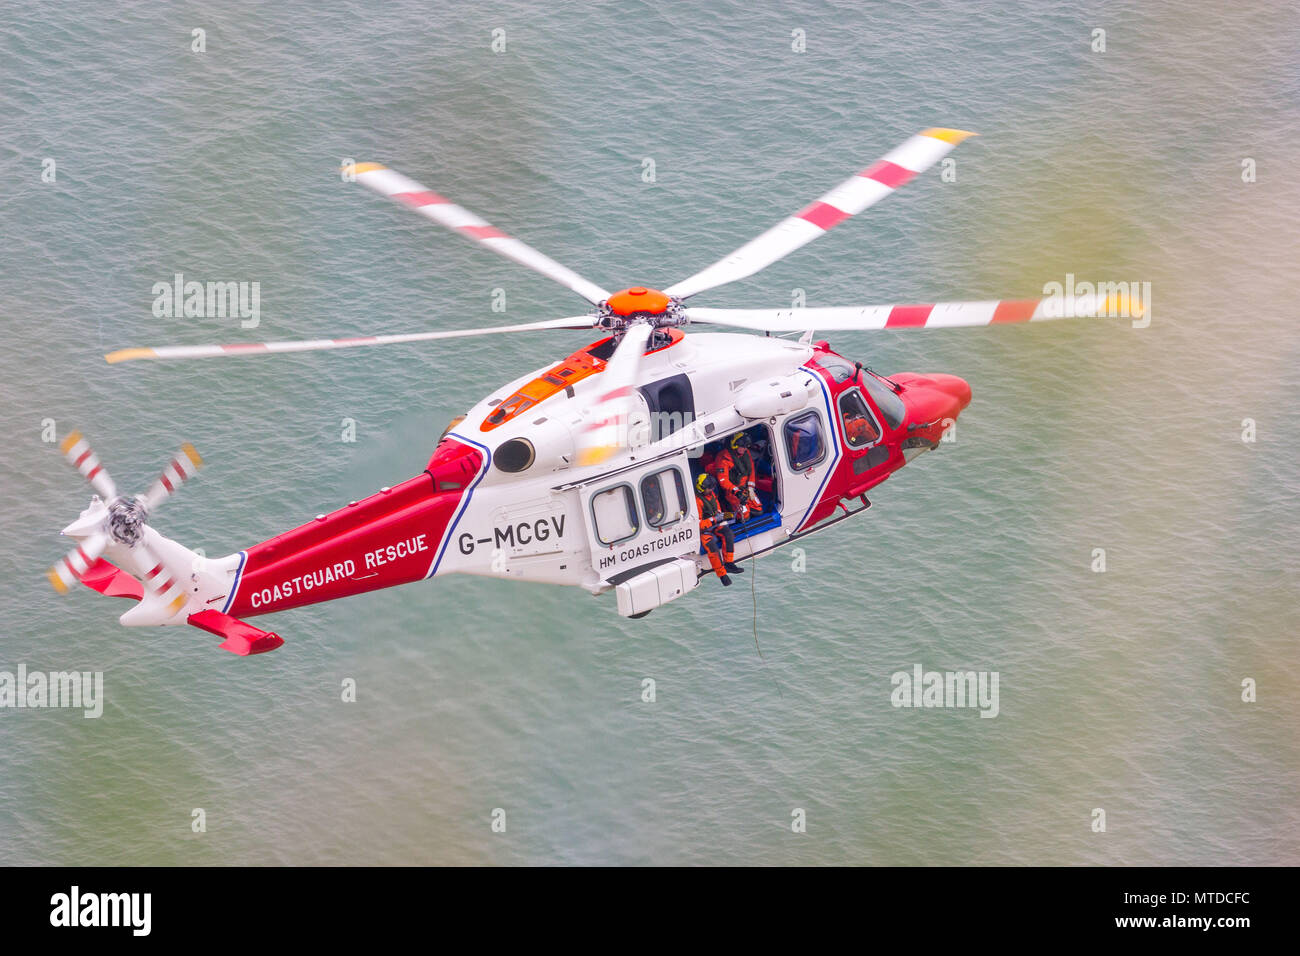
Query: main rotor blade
{"x":444,"y":212}
{"x":606,"y":431}
{"x":82,"y":457}
{"x":847,"y":199}
{"x":313,"y":345}
{"x":183,"y":466}
{"x":940,"y":315}
{"x":69,"y":569}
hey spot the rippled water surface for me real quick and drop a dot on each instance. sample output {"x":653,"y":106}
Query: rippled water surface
{"x":1118,"y":690}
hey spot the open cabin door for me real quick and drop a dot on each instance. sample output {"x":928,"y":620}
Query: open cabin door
{"x":641,"y":517}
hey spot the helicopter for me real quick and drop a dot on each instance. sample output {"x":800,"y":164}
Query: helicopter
{"x":582,"y":472}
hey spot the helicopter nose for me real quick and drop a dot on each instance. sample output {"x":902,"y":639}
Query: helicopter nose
{"x":958,"y":388}
{"x":933,"y":402}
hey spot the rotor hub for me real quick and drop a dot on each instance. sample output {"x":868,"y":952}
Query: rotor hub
{"x":127,"y":518}
{"x":640,"y":304}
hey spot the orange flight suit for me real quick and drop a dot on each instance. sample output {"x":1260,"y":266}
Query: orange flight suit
{"x":734,"y":469}
{"x":860,"y":430}
{"x":719,"y":542}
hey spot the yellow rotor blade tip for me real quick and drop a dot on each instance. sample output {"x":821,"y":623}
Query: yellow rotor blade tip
{"x":126,"y":355}
{"x":953,"y":136}
{"x":594,"y":456}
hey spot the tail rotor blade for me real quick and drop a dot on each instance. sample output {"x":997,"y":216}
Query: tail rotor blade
{"x":606,"y":432}
{"x":69,"y":569}
{"x":82,"y":457}
{"x":184,"y":466}
{"x":159,"y":581}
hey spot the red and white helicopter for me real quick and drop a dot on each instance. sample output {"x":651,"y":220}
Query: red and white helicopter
{"x":581,"y":472}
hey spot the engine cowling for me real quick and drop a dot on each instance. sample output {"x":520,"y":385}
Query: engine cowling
{"x":771,"y":397}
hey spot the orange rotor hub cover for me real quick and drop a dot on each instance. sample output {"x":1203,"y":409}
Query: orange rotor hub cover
{"x":638,"y":299}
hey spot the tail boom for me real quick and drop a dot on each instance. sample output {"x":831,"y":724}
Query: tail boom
{"x":393,"y":537}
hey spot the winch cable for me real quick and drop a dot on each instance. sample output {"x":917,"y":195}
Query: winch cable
{"x":753,"y":593}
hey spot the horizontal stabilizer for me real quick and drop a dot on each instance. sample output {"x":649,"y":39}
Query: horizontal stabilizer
{"x":240,"y":638}
{"x":110,"y":580}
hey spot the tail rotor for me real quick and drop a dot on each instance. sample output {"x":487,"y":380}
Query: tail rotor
{"x":113,"y":520}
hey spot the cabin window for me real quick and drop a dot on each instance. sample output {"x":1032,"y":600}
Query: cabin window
{"x":663,"y":497}
{"x":860,"y":428}
{"x":804,"y":443}
{"x":614,"y":515}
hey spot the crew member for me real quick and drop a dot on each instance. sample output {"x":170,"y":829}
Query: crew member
{"x":715,"y":532}
{"x":734,"y":467}
{"x":860,"y":430}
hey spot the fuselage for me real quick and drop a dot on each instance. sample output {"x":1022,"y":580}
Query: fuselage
{"x":502,"y":495}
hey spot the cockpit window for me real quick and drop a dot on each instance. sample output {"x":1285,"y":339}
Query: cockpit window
{"x":890,"y":405}
{"x":840,"y":369}
{"x":859,"y":427}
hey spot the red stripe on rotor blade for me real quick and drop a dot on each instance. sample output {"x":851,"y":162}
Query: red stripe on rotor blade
{"x":1015,"y":310}
{"x":424,"y":198}
{"x":823,"y":215}
{"x":93,"y":472}
{"x":887,"y":173}
{"x":84,"y":455}
{"x":165,"y":483}
{"x":613,"y":420}
{"x":484,"y":232}
{"x":908,"y":316}
{"x":150,"y":573}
